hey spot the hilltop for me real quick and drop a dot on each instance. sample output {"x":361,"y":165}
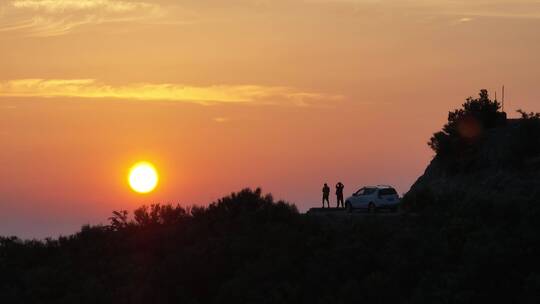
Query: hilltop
{"x":481,"y":163}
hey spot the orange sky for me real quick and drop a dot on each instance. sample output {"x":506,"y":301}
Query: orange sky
{"x":221,"y":95}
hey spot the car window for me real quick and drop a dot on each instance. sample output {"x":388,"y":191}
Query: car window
{"x":360,"y":192}
{"x":369,"y":191}
{"x":387,"y":191}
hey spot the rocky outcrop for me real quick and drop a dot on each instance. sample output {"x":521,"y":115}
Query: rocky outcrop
{"x":503,"y":164}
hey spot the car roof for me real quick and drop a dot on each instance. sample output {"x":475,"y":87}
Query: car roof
{"x":380,"y":187}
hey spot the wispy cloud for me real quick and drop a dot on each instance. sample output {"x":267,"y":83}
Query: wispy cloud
{"x":90,"y":88}
{"x":54,"y":6}
{"x":8,"y":107}
{"x":511,"y":9}
{"x":221,"y":119}
{"x":57,"y":17}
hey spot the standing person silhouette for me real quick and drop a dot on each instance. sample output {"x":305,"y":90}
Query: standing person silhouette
{"x":339,"y":194}
{"x":326,"y":195}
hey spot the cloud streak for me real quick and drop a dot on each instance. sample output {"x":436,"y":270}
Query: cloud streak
{"x":92,"y":89}
{"x":44,"y":18}
{"x":54,"y":6}
{"x":510,"y":9}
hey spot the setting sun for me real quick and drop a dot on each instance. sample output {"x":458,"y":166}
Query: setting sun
{"x":143,"y":177}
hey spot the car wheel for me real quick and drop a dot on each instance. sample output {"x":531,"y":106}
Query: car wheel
{"x":372,"y":208}
{"x":348,"y":207}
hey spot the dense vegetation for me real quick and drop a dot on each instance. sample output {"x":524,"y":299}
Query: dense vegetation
{"x":246,"y":248}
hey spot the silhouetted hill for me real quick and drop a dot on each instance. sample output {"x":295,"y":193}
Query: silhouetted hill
{"x":246,"y":248}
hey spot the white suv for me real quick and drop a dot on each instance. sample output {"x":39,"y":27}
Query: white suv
{"x":373,"y":198}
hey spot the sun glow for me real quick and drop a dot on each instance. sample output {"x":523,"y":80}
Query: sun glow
{"x":143,"y":177}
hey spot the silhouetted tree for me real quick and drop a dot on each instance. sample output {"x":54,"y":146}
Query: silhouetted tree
{"x":476,"y":114}
{"x":159,"y":214}
{"x":528,"y":115}
{"x":119,"y":219}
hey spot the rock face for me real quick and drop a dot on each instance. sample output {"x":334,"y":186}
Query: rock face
{"x":503,"y":164}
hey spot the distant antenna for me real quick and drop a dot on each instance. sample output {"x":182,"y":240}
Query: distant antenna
{"x":503,"y":98}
